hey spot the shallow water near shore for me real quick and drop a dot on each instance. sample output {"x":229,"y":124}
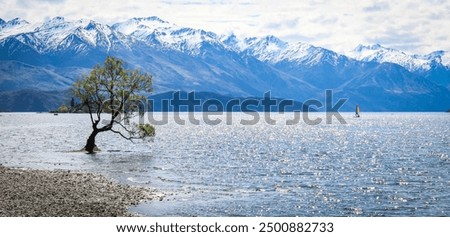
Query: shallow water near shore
{"x":382,"y":164}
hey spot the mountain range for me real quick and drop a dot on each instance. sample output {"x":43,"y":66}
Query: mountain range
{"x":42,"y":59}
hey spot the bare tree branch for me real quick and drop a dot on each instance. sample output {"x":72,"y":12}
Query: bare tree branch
{"x":128,"y":138}
{"x":125,"y":128}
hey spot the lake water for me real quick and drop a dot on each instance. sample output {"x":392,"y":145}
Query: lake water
{"x":382,"y":164}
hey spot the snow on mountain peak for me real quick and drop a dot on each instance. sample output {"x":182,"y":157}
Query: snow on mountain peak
{"x":152,"y":18}
{"x":303,"y":53}
{"x":153,"y":30}
{"x":371,"y":52}
{"x":141,"y":26}
{"x":265,"y":49}
{"x":58,"y":33}
{"x":57,"y":22}
{"x":380,"y":54}
{"x":14,"y":27}
{"x":57,"y":19}
{"x":439,"y":57}
{"x":93,"y":33}
{"x":234,"y":42}
{"x":270,"y":42}
{"x":274,"y":50}
{"x":17,"y":21}
{"x":295,"y":51}
{"x":186,"y":40}
{"x":56,"y":30}
{"x":446,"y":59}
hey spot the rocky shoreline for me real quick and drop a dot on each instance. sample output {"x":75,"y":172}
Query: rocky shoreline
{"x":62,"y":193}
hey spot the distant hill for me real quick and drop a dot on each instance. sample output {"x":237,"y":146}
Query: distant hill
{"x":212,"y":102}
{"x":30,"y":100}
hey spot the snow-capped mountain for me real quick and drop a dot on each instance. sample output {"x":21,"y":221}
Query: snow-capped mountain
{"x":273,"y":50}
{"x":14,"y":27}
{"x":307,"y":54}
{"x":50,"y":55}
{"x":58,"y":34}
{"x":266,"y":49}
{"x":434,"y":66}
{"x":320,"y":67}
{"x":278,"y":53}
{"x":142,"y":26}
{"x":58,"y":42}
{"x":378,"y":53}
{"x":441,"y":56}
{"x":155,"y":31}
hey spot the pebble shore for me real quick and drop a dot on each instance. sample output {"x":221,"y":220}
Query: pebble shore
{"x":62,"y":193}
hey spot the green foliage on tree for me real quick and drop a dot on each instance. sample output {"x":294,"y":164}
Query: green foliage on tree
{"x":147,"y":130}
{"x":63,"y":109}
{"x":118,"y":92}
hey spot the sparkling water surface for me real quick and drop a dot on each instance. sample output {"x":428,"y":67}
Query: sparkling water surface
{"x":382,"y":164}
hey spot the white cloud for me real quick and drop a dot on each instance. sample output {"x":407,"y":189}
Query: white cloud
{"x":377,"y":6}
{"x":412,"y":25}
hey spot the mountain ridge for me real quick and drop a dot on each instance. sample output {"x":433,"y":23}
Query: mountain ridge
{"x":182,"y":58}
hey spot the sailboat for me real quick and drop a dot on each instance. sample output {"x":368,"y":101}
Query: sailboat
{"x":357,"y":111}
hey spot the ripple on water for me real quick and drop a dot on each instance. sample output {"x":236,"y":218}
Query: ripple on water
{"x":392,"y":164}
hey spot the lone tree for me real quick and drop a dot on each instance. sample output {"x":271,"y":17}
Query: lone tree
{"x":115,"y":92}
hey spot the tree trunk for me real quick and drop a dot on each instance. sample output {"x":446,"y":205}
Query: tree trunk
{"x":90,"y":144}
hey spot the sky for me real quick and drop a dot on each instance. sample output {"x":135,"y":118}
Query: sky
{"x":413,"y":26}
